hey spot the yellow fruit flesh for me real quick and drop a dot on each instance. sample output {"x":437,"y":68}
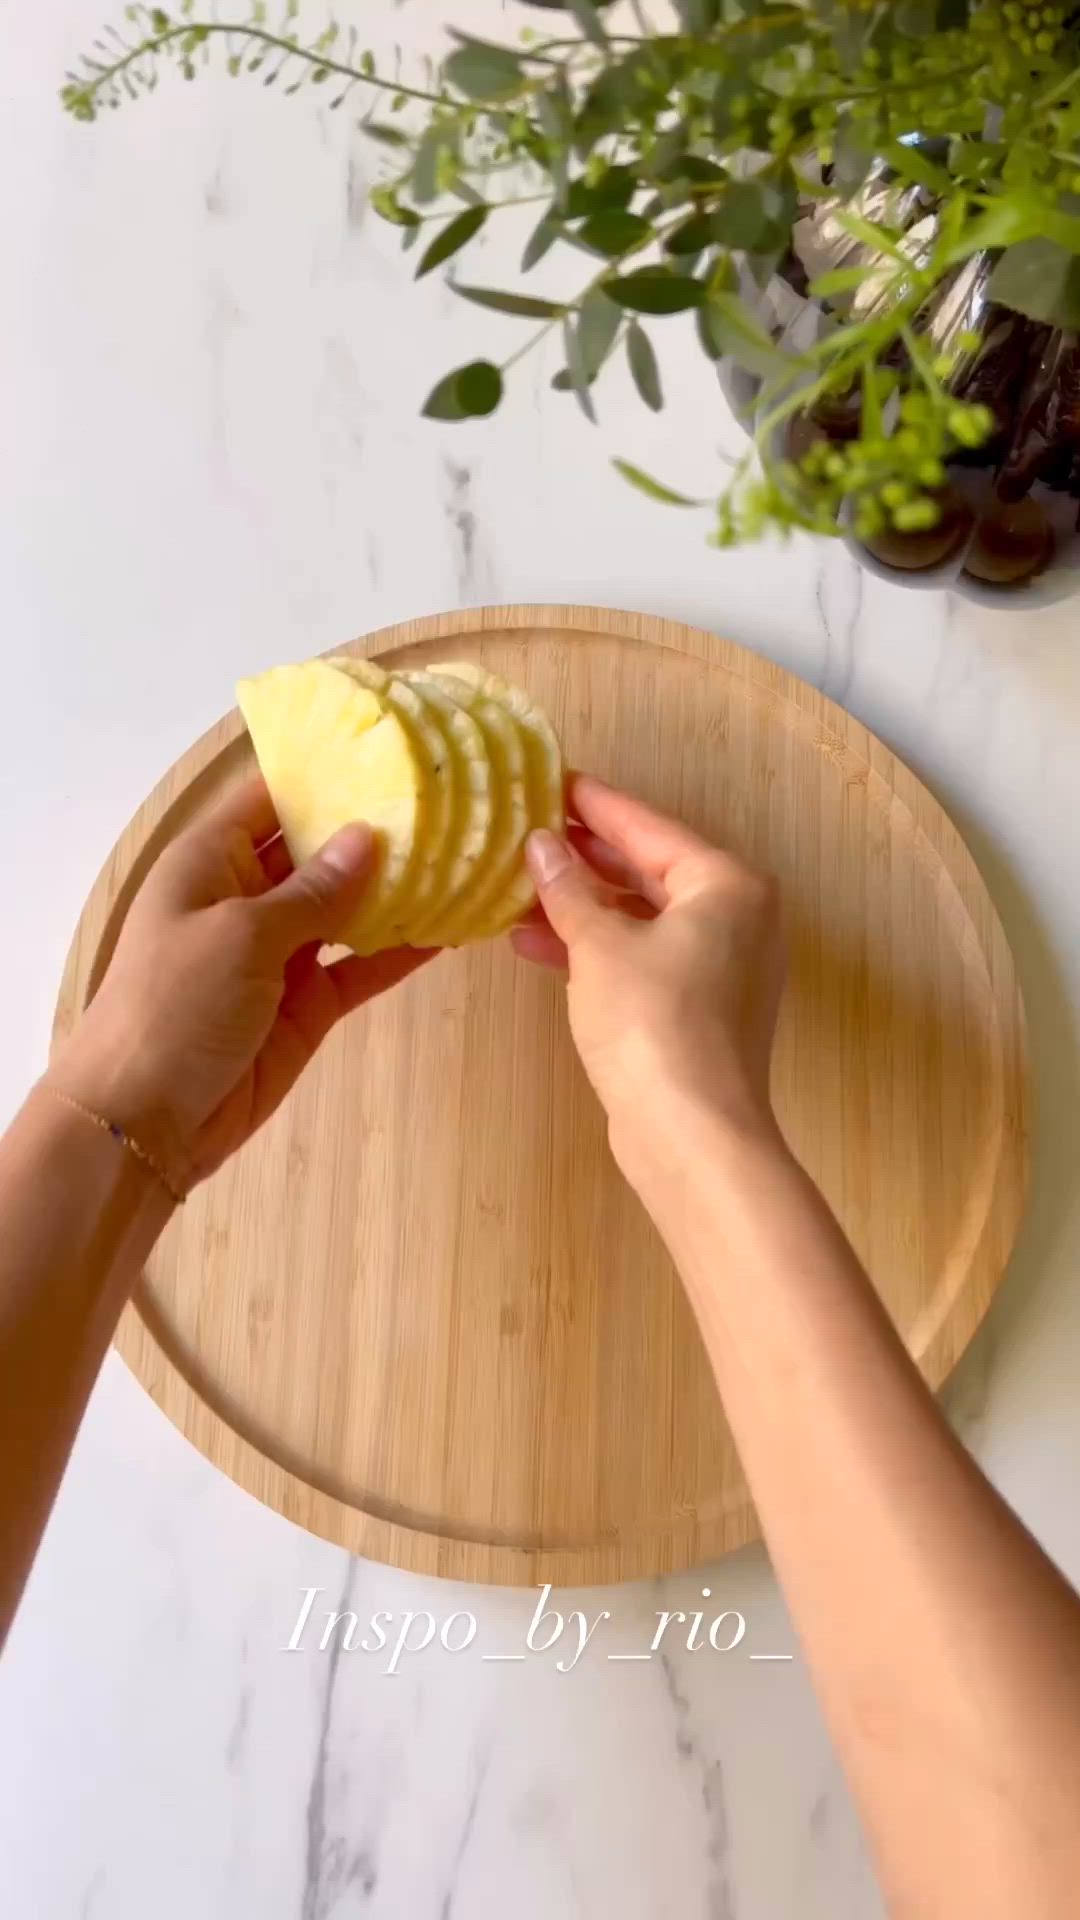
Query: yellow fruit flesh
{"x":450,"y":768}
{"x":544,"y":788}
{"x":473,"y":810}
{"x":510,"y":820}
{"x":413,"y":902}
{"x":331,"y":752}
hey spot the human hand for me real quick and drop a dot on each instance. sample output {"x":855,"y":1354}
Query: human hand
{"x":676,"y":966}
{"x":215,"y":998}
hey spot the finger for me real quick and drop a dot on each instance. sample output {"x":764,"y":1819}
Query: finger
{"x":535,"y":914}
{"x":356,"y":980}
{"x":541,"y":945}
{"x":318,"y":899}
{"x":571,"y":894}
{"x":276,"y":861}
{"x":614,"y":867}
{"x":247,"y":805}
{"x":630,"y":905}
{"x":652,"y":842}
{"x":215,"y":855}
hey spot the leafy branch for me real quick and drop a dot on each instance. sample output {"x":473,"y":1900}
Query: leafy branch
{"x":687,"y":164}
{"x":118,"y":66}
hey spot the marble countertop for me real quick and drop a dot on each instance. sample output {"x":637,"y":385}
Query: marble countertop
{"x":212,"y":366}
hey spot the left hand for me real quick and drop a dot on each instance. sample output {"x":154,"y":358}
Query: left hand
{"x":216,"y":999}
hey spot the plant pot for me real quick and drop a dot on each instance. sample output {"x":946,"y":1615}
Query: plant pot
{"x":796,"y":324}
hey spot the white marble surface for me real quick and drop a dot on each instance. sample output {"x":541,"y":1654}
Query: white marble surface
{"x":211,"y":459}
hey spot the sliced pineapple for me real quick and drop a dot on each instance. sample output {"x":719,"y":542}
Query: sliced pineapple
{"x":333,"y":751}
{"x":470,"y":829}
{"x":544,"y":788}
{"x":450,"y":767}
{"x":510,"y":814}
{"x":415,"y":898}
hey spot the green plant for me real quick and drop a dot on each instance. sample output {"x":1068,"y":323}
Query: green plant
{"x":678,"y":161}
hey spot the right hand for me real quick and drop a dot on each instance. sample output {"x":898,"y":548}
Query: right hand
{"x":676,"y":966}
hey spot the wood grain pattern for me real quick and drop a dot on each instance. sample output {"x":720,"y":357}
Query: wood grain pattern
{"x":420,"y":1314}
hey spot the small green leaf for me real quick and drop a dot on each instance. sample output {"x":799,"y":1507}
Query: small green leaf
{"x":688,"y":166}
{"x":483,"y":72}
{"x":594,"y":334}
{"x":853,"y":156}
{"x":541,"y":240}
{"x":386,"y":204}
{"x":974,"y":159}
{"x":698,"y":16}
{"x":577,"y":370}
{"x":607,"y":104}
{"x":469,"y":392}
{"x":873,"y":234}
{"x":455,"y":235}
{"x":655,"y":290}
{"x":386,"y":136}
{"x":1040,"y":280}
{"x":643,"y":367}
{"x":685,"y":263}
{"x":614,"y":188}
{"x":522,"y":305}
{"x":1006,"y":222}
{"x":732,"y":330}
{"x":741,"y":218}
{"x":613,"y":232}
{"x":597,"y":327}
{"x":709,"y":340}
{"x":587,"y":15}
{"x":655,"y":489}
{"x":839,"y":280}
{"x":690,"y":236}
{"x":557,"y":126}
{"x":437,"y":140}
{"x":480,"y":386}
{"x":913,"y":164}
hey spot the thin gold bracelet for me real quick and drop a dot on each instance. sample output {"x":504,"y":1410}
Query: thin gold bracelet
{"x":122,"y":1139}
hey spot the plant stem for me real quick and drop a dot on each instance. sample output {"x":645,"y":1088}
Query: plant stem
{"x":1055,"y":92}
{"x":574,"y":306}
{"x":106,"y":75}
{"x":917,"y":356}
{"x":491,"y":206}
{"x":533,"y":340}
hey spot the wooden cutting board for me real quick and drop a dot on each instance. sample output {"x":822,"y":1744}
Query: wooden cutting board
{"x":420,"y":1314}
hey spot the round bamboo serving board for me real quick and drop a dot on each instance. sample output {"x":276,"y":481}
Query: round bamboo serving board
{"x":421,"y":1314}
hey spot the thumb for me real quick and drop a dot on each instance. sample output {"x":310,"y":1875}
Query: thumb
{"x":569,"y":890}
{"x":318,"y":899}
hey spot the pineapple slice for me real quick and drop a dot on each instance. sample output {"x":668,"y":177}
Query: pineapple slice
{"x":544,"y":788}
{"x":510,"y":821}
{"x":332,"y":751}
{"x":469,"y":837}
{"x":416,"y":897}
{"x":450,"y":767}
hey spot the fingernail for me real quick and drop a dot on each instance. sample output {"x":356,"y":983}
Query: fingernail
{"x":547,"y":856}
{"x":349,"y":850}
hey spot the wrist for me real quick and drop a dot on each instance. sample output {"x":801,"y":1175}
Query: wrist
{"x":107,"y":1083}
{"x":100,"y":1160}
{"x":693,"y":1146}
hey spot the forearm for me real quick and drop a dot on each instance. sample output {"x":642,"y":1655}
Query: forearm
{"x":80,"y":1217}
{"x":945,"y":1647}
